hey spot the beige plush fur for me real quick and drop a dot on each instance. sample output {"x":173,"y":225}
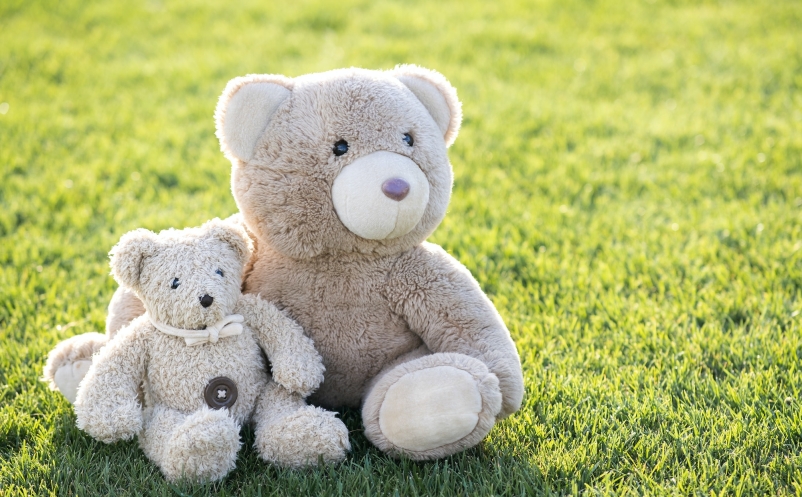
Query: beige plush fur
{"x":170,"y":273}
{"x":390,"y":315}
{"x":123,"y":305}
{"x":369,"y":302}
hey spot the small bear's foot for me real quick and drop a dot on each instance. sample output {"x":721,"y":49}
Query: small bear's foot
{"x":69,"y":361}
{"x":303,"y":437}
{"x":204,"y":447}
{"x":200,"y":447}
{"x":291,"y":434}
{"x":431,"y":407}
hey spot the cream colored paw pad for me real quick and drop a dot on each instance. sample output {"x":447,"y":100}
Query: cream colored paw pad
{"x":430,"y":408}
{"x":69,"y":376}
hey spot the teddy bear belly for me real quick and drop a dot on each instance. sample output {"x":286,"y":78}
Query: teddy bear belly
{"x":178,"y":374}
{"x":348,"y":372}
{"x":342,"y":308}
{"x":373,"y":340}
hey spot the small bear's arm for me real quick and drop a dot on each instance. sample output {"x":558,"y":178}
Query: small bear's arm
{"x":107,"y":405}
{"x":297,"y":366}
{"x":443,"y":304}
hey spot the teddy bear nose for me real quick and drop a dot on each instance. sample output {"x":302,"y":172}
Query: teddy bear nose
{"x":206,"y":300}
{"x":395,"y":188}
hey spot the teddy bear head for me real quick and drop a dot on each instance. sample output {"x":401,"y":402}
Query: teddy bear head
{"x":345,"y":161}
{"x":187,"y":279}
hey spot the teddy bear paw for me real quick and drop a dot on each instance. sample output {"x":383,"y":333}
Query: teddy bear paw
{"x":299,"y":374}
{"x":432,"y":407}
{"x":303,"y":438}
{"x":429,"y":408}
{"x":69,"y":376}
{"x":110,"y":421}
{"x":69,"y":361}
{"x":203,"y":448}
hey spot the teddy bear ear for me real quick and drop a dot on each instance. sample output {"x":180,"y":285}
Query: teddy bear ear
{"x":245,"y":109}
{"x":233,"y":235}
{"x":128,"y":256}
{"x":436,"y":94}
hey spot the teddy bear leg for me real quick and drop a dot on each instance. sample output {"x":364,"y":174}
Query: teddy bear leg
{"x":69,"y":361}
{"x":431,"y":406}
{"x":201,"y":446}
{"x":292,"y":434}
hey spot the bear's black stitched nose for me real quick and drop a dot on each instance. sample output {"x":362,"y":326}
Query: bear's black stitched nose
{"x":206,"y":300}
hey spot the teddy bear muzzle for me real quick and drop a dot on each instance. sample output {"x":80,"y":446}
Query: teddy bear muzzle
{"x":381,"y":195}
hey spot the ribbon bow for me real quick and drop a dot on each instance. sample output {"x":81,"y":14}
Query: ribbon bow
{"x":226,"y":327}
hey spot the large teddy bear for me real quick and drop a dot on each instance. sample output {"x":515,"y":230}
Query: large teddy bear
{"x":339,"y":178}
{"x":196,"y":357}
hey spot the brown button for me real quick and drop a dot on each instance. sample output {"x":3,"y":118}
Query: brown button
{"x":220,"y":392}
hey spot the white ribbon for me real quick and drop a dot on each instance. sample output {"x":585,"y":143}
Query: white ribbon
{"x":226,"y":327}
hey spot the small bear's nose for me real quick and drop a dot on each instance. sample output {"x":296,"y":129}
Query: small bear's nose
{"x":395,"y":188}
{"x":206,"y":300}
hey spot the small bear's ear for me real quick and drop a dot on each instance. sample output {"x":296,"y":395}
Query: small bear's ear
{"x":231,"y":234}
{"x":436,"y":94}
{"x":245,"y":109}
{"x":128,"y":256}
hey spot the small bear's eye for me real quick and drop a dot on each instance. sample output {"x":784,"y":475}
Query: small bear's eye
{"x":175,"y":283}
{"x":340,"y":148}
{"x":219,"y":271}
{"x":408,"y":139}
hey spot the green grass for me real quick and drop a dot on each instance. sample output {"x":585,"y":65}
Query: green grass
{"x":628,"y":191}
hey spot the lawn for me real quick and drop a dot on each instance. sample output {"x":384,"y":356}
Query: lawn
{"x":628,"y":190}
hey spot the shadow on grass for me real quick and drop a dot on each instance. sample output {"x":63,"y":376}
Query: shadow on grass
{"x":79,"y":465}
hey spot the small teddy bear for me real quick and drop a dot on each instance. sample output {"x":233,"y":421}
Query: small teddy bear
{"x":196,"y":356}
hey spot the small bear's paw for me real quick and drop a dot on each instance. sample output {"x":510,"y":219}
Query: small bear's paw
{"x":298,"y":373}
{"x":303,"y":438}
{"x":109,"y":422}
{"x":203,"y":448}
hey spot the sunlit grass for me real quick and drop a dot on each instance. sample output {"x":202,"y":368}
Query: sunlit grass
{"x":628,"y":190}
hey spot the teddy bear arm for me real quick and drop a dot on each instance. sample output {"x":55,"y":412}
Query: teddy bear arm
{"x":296,"y":364}
{"x":444,"y":305}
{"x":107,"y":405}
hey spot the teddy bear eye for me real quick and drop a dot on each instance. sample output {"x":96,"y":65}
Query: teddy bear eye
{"x":408,"y":139}
{"x":219,"y":271}
{"x":175,"y":283}
{"x":340,"y":148}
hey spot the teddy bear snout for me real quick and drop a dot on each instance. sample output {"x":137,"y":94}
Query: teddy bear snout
{"x":206,"y":300}
{"x":380,"y":195}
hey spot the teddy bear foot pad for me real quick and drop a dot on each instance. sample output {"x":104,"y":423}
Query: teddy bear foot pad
{"x":68,"y":377}
{"x":432,"y":406}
